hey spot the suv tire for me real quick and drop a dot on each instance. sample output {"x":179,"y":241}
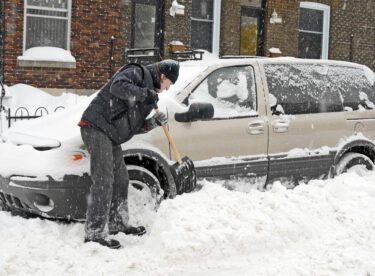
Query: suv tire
{"x":353,"y":161}
{"x":141,"y":179}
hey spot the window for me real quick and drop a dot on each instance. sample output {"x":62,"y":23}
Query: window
{"x":313,"y":30}
{"x":315,"y":88}
{"x":47,"y":23}
{"x":353,"y":85}
{"x":144,"y":25}
{"x":205,"y":25}
{"x":301,"y":89}
{"x":231,"y":90}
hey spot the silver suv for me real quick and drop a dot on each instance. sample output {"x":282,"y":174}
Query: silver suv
{"x":262,"y":119}
{"x":270,"y":119}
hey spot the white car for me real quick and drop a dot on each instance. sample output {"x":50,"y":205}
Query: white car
{"x":262,"y":119}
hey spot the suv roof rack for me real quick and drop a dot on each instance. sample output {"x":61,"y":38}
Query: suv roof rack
{"x":239,"y":56}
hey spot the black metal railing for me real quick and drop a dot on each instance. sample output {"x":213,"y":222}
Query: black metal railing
{"x":22,"y":113}
{"x":143,"y":55}
{"x":187,"y":55}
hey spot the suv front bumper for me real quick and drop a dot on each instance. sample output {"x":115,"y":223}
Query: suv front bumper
{"x":65,"y":199}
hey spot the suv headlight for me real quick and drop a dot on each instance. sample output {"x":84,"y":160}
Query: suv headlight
{"x":77,"y":156}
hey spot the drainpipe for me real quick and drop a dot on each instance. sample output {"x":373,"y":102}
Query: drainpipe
{"x":351,"y":53}
{"x":111,"y":58}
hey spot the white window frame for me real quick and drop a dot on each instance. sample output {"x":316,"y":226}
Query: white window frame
{"x":69,"y":18}
{"x":326,"y":17}
{"x":215,"y":27}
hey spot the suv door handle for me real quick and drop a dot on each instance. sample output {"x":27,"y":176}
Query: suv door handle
{"x":255,"y":128}
{"x":280,"y":126}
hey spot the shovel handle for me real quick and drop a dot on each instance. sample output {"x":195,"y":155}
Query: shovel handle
{"x":170,"y":140}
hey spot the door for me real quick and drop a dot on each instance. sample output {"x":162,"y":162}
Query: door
{"x":252,"y":31}
{"x":234,"y":141}
{"x":147,"y":24}
{"x":307,"y":120}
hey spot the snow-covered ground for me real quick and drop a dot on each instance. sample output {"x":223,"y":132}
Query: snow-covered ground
{"x":323,"y":228}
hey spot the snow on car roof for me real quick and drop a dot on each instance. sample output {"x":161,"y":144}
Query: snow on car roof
{"x":370,"y":75}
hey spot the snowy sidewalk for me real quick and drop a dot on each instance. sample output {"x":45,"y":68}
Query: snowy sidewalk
{"x":324,"y":228}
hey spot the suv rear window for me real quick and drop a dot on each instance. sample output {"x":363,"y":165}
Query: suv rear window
{"x":298,"y":88}
{"x":352,"y":84}
{"x":318,"y":88}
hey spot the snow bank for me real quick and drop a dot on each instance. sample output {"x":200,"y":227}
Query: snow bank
{"x":23,"y":95}
{"x":47,"y":54}
{"x":324,"y":228}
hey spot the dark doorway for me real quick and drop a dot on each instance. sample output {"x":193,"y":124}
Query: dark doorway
{"x":252,"y":30}
{"x":147,"y":24}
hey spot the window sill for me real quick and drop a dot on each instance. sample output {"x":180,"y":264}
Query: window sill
{"x":47,"y":64}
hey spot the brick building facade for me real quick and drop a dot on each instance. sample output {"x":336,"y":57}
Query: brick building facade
{"x":92,"y":26}
{"x":2,"y":29}
{"x":351,"y":34}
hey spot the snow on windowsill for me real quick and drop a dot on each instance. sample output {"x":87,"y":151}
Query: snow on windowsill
{"x":47,"y":57}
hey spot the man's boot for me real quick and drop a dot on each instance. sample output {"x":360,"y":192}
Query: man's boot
{"x":113,"y":244}
{"x":129,"y":230}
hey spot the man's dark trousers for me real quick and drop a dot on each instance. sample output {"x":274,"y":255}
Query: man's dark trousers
{"x":109,"y":191}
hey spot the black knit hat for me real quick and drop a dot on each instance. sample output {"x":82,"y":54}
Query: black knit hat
{"x":170,"y":68}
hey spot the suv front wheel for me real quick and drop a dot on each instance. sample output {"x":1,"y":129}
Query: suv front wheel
{"x":145,"y":196}
{"x":356,"y":162}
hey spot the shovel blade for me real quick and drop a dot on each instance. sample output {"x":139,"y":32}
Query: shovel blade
{"x":184,"y":175}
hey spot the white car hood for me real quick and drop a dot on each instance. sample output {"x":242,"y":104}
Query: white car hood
{"x":34,"y":141}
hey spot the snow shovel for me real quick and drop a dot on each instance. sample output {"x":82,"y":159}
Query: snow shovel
{"x":183,"y":171}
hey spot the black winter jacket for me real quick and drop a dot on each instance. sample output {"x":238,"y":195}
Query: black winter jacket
{"x":121,"y":106}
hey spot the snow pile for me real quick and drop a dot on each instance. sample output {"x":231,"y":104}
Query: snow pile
{"x":47,"y":54}
{"x":60,"y":125}
{"x":23,"y":95}
{"x":323,"y":228}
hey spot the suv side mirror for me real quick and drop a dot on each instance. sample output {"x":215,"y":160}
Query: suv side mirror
{"x":196,"y":112}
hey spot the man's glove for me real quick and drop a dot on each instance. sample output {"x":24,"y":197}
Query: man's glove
{"x":152,"y":98}
{"x":160,"y":118}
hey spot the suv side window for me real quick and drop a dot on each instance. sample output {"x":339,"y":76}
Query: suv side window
{"x":231,"y":90}
{"x":301,"y":89}
{"x":353,"y":86}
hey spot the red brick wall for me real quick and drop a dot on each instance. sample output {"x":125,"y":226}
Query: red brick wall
{"x":1,"y":35}
{"x":178,"y":27}
{"x":92,"y":26}
{"x":230,"y":27}
{"x":357,"y":20}
{"x":347,"y":18}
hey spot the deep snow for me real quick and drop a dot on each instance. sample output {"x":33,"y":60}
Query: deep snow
{"x":323,"y":228}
